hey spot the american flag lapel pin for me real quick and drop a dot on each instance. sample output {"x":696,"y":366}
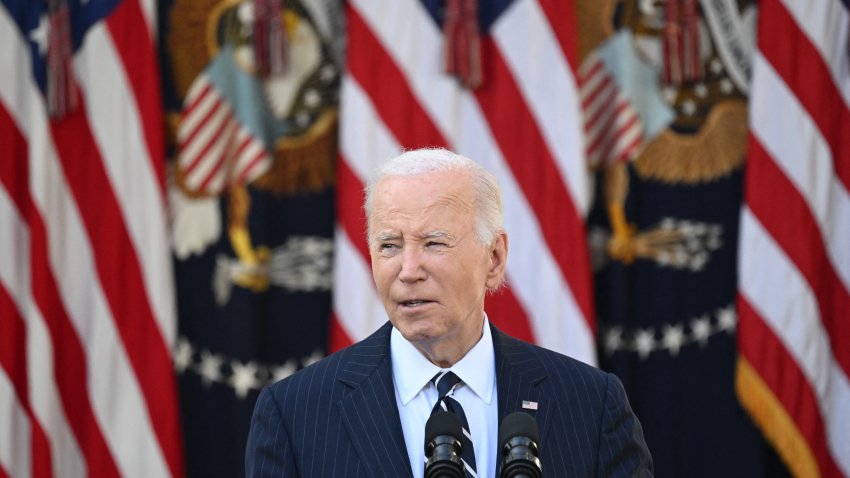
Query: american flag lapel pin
{"x":529,"y":405}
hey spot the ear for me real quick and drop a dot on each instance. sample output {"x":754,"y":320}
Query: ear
{"x":498,"y":262}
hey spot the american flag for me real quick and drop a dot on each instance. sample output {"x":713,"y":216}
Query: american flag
{"x":523,"y":123}
{"x":86,"y":299}
{"x":794,"y":261}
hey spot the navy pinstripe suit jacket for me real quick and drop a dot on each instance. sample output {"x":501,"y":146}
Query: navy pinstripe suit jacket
{"x":339,"y":418}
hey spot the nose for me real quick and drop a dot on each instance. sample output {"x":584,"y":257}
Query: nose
{"x":412,"y":269}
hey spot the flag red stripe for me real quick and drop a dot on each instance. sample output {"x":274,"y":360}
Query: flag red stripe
{"x":13,"y":359}
{"x":603,"y":111}
{"x":224,"y":154}
{"x":190,"y":138}
{"x":562,"y":18}
{"x":797,"y":232}
{"x":188,"y":110}
{"x":627,"y":152}
{"x":585,"y":76}
{"x":605,"y":86}
{"x":780,"y":372}
{"x":503,"y":311}
{"x":349,"y":207}
{"x":137,"y":49}
{"x":606,"y":135}
{"x":211,"y":142}
{"x":514,"y":129}
{"x":68,"y":354}
{"x":203,"y":125}
{"x":337,"y":338}
{"x":802,"y":68}
{"x":258,"y":158}
{"x":387,"y":88}
{"x":613,"y":143}
{"x":120,"y":274}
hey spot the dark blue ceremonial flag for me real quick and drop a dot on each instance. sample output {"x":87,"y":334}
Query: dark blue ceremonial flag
{"x":252,"y":203}
{"x":666,"y":121}
{"x":667,"y":329}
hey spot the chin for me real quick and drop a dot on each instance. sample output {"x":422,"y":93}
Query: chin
{"x":416,"y":331}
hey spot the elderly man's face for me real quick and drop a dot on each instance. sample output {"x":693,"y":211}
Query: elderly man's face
{"x":430,"y":269}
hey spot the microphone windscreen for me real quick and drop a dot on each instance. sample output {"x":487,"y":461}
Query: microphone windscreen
{"x":442,"y":423}
{"x":518,"y":424}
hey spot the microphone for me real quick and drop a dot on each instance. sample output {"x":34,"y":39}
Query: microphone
{"x":518,"y":439}
{"x":443,"y":447}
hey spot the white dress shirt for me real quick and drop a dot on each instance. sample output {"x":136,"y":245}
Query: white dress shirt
{"x":416,"y":396}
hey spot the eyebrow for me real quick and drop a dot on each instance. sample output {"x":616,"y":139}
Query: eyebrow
{"x":436,"y":235}
{"x":388,"y":236}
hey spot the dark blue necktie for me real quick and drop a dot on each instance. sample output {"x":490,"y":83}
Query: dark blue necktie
{"x":446,"y":383}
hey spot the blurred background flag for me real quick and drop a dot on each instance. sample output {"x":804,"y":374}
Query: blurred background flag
{"x":86,"y":296}
{"x":251,"y":89}
{"x":664,"y":89}
{"x":498,"y":86}
{"x":794,"y":273}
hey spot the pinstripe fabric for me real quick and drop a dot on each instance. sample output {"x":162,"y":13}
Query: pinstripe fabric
{"x":322,"y":422}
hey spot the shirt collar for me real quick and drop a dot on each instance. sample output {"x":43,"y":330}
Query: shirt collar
{"x":412,"y":371}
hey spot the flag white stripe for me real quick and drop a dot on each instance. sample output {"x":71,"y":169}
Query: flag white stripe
{"x":790,"y":140}
{"x":118,"y":131}
{"x":15,"y":434}
{"x":794,"y":317}
{"x":366,"y":145}
{"x":192,"y":120}
{"x":523,"y":27}
{"x":825,"y":24}
{"x":199,"y":84}
{"x":606,"y":125}
{"x":148,"y":8}
{"x":194,"y":148}
{"x":114,"y":392}
{"x":249,"y":153}
{"x":359,"y":311}
{"x":212,"y":156}
{"x":590,"y":83}
{"x":44,"y":397}
{"x":607,"y":96}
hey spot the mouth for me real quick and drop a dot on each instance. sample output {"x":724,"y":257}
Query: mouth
{"x":411,"y":304}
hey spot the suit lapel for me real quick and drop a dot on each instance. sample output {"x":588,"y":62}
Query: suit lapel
{"x":520,"y":378}
{"x":369,"y":411}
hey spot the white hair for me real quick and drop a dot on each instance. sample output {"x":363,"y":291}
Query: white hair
{"x":489,"y":217}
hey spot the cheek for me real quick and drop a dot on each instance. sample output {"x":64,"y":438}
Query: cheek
{"x":383,"y":273}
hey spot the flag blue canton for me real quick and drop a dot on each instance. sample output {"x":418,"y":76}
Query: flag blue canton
{"x":31,"y":19}
{"x":488,"y":11}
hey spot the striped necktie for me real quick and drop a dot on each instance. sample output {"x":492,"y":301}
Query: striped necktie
{"x":446,"y":383}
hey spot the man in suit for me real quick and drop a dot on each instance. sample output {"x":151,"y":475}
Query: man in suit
{"x":438,"y":246}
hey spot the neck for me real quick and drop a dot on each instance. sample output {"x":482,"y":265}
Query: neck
{"x":445,"y":353}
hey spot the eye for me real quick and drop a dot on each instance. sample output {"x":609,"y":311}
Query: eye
{"x":435,"y":244}
{"x":388,"y":249}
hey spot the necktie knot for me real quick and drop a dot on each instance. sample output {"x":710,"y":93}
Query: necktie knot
{"x":446,"y":381}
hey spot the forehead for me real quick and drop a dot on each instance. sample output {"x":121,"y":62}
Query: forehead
{"x":423,"y":195}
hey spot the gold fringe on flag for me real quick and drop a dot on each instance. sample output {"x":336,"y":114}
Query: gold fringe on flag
{"x":772,"y":418}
